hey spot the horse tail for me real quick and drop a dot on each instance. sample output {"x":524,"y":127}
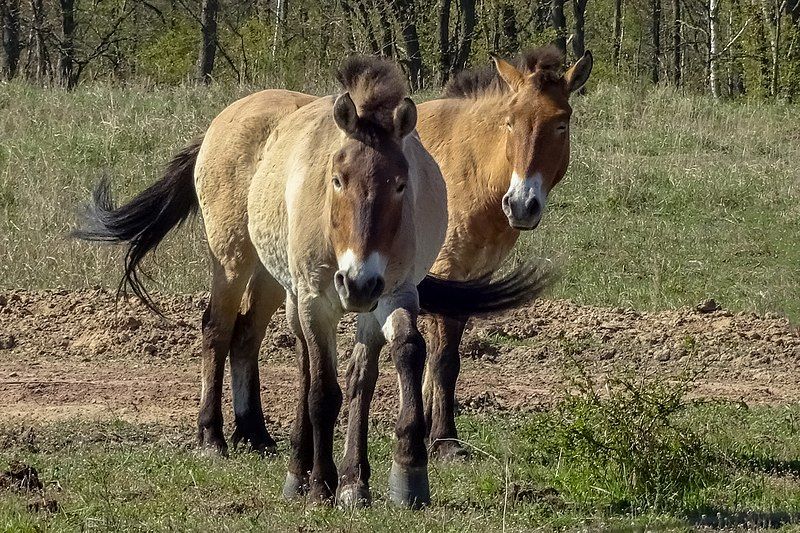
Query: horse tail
{"x":461,"y":299}
{"x":143,"y":222}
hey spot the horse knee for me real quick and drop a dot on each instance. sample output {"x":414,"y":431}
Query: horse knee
{"x":408,"y":351}
{"x":324,"y":400}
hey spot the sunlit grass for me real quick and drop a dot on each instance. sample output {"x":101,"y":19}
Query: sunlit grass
{"x":126,"y":477}
{"x":669,"y":198}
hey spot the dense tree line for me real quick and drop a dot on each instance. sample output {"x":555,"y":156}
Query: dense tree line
{"x":722,"y":47}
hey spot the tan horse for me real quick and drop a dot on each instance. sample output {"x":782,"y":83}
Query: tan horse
{"x":333,"y":205}
{"x":501,"y":138}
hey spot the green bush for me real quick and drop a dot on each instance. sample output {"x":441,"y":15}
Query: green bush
{"x":626,"y":445}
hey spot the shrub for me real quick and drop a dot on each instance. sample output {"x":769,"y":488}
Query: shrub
{"x":627,"y":444}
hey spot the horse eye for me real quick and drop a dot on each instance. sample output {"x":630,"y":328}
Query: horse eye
{"x":509,"y":124}
{"x":401,"y":187}
{"x":561,"y":128}
{"x":337,"y":183}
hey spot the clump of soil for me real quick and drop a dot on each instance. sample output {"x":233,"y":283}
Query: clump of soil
{"x":20,"y":477}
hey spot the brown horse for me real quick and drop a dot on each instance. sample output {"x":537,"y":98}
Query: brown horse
{"x":501,"y":138}
{"x":331,"y":205}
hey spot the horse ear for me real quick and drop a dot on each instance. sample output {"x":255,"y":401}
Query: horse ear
{"x":513,"y":77}
{"x":405,"y":117}
{"x":578,"y":74}
{"x":345,"y":114}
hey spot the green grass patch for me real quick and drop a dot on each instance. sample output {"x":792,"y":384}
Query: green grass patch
{"x":632,"y":453}
{"x":669,"y":199}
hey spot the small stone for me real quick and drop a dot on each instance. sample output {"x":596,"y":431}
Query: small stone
{"x":150,"y":349}
{"x":131,"y":323}
{"x":708,"y":306}
{"x":7,"y":342}
{"x":663,"y":355}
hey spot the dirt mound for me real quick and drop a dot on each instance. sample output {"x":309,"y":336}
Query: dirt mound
{"x":66,"y":354}
{"x":20,"y":477}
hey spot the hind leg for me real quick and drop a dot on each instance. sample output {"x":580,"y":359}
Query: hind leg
{"x":441,"y":373}
{"x":263,"y":297}
{"x":218,"y":321}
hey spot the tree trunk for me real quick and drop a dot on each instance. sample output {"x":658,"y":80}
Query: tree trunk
{"x":405,"y":13}
{"x":67,"y":72}
{"x":713,"y":47}
{"x":676,"y":43}
{"x":773,"y":21}
{"x":655,"y":30}
{"x":444,"y":41}
{"x":387,"y":39}
{"x":579,"y":38}
{"x":510,"y":33}
{"x":281,"y":8}
{"x":467,"y":35}
{"x":617,"y":44}
{"x":776,"y":49}
{"x":208,"y":48}
{"x":559,"y":22}
{"x":40,"y":70}
{"x":9,"y":18}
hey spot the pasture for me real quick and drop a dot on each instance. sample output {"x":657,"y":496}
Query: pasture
{"x":612,"y":404}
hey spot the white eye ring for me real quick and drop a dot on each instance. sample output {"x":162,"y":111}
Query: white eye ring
{"x":337,"y":183}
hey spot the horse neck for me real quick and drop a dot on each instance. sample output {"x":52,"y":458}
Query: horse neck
{"x":486,"y":144}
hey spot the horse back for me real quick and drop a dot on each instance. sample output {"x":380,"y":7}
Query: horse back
{"x":228,"y":159}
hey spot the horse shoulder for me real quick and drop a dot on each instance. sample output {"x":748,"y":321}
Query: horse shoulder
{"x":429,"y":197}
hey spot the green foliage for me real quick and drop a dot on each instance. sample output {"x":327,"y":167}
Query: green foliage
{"x":627,"y":445}
{"x":169,"y":58}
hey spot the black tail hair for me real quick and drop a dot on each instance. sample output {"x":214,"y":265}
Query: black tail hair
{"x":146,"y":219}
{"x":461,"y":299}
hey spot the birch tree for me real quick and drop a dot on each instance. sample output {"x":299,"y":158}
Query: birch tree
{"x":713,"y":47}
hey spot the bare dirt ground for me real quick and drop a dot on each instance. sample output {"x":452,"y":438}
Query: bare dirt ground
{"x":77,"y":354}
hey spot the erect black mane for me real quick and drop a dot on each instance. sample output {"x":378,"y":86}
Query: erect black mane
{"x":544,"y":62}
{"x":377,"y":87}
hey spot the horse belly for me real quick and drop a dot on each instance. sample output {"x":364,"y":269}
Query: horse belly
{"x":269,"y":228}
{"x":273,"y":255}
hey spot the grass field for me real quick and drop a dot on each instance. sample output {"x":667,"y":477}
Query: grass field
{"x":717,"y":465}
{"x":669,"y":199}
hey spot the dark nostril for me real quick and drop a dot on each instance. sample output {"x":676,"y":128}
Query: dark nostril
{"x":377,"y":289}
{"x":533,"y":206}
{"x":340,"y":282}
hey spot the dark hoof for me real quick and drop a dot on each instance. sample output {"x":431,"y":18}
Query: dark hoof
{"x":408,"y":486}
{"x":449,"y":451}
{"x":212,"y":444}
{"x":322,"y":493}
{"x":354,"y":496}
{"x":295,"y":486}
{"x":258,"y":439}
